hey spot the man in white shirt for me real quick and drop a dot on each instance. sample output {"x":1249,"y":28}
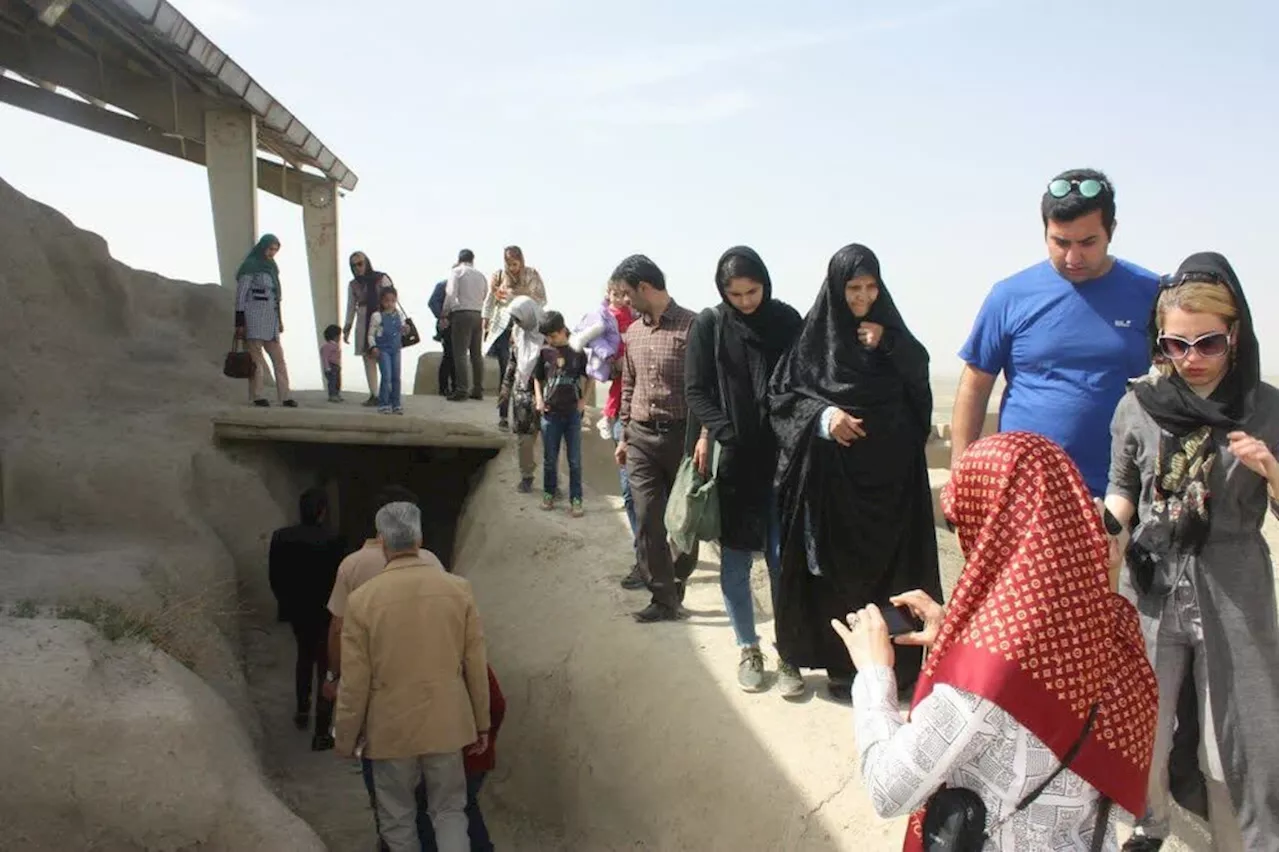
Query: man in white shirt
{"x":464,"y":295}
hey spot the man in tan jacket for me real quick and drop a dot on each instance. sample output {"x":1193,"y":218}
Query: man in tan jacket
{"x":415,"y":684}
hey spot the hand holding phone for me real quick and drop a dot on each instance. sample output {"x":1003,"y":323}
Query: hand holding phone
{"x":900,"y":620}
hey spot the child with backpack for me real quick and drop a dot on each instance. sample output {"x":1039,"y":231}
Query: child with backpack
{"x":560,"y":385}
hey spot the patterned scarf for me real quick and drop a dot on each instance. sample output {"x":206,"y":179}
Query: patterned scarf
{"x":1033,"y":625}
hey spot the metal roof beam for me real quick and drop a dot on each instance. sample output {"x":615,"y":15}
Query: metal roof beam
{"x":281,"y":181}
{"x":50,"y":11}
{"x":162,"y":103}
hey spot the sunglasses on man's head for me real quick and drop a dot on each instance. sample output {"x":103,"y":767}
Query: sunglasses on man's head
{"x":1212,"y":345}
{"x":1087,"y":188}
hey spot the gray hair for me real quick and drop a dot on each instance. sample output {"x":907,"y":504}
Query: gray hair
{"x":399,"y":526}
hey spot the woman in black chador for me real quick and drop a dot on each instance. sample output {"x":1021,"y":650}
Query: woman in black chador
{"x":851,"y":407}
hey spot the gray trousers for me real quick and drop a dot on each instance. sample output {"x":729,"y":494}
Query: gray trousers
{"x":653,"y":458}
{"x":394,"y":781}
{"x":1179,"y":648}
{"x":466,"y":330}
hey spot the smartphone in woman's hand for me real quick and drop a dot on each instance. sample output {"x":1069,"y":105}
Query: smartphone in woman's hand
{"x":900,"y":620}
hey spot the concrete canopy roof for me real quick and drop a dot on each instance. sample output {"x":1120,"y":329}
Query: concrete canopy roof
{"x":143,"y":73}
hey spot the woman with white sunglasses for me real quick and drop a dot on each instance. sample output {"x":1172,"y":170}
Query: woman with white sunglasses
{"x":1194,"y":464}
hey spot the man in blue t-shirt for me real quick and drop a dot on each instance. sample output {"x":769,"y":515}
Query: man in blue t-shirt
{"x":1066,"y":333}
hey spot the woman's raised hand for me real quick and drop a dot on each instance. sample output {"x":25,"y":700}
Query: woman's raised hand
{"x":866,"y":638}
{"x":927,"y":610}
{"x":1253,"y":454}
{"x":870,"y":334}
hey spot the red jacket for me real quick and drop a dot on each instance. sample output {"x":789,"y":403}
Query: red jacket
{"x":486,"y":762}
{"x":613,"y":406}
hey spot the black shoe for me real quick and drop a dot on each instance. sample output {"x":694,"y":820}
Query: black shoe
{"x":475,"y":395}
{"x":290,"y":403}
{"x":525,"y":486}
{"x":655,"y":612}
{"x":633,"y":582}
{"x":457,"y":397}
{"x":321,"y":742}
{"x":1138,"y":843}
{"x":840,"y":689}
{"x":504,"y":425}
{"x":262,"y":403}
{"x":301,"y":720}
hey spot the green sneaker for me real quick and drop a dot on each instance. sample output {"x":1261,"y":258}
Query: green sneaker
{"x":751,"y":670}
{"x":548,"y":502}
{"x":575,"y":508}
{"x":790,"y":684}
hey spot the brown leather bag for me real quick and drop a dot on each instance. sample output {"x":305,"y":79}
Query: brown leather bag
{"x":239,"y":363}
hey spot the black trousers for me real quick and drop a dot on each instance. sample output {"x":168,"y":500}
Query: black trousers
{"x":502,"y":351}
{"x":445,"y":376}
{"x":312,"y":637}
{"x":654,"y":452}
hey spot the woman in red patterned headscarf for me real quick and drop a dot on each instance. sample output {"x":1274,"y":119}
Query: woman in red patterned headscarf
{"x":1034,"y":654}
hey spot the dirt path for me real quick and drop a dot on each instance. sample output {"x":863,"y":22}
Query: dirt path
{"x":325,"y":790}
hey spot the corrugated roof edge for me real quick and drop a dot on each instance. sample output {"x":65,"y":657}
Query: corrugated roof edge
{"x":162,"y":20}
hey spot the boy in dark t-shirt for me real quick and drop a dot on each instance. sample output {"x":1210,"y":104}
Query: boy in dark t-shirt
{"x":560,"y":386}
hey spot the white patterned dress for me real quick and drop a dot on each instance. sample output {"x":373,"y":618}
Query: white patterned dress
{"x":960,"y":740}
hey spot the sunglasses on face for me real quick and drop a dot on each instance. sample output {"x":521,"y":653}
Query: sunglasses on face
{"x":1212,"y":345}
{"x":1087,"y":188}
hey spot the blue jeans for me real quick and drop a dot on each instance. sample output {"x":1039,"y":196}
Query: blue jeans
{"x":389,"y":388}
{"x":735,"y":581}
{"x":624,"y":480}
{"x":476,"y":828}
{"x":333,"y":380}
{"x":558,"y":428}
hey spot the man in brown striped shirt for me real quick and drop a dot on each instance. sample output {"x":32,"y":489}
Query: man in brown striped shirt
{"x":654,"y":421}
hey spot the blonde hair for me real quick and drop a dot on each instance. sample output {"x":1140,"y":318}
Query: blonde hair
{"x":1197,"y":295}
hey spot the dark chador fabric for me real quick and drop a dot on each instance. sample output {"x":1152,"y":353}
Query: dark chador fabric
{"x":857,"y":522}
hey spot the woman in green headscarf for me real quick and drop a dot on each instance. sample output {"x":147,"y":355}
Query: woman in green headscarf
{"x":258,"y":318}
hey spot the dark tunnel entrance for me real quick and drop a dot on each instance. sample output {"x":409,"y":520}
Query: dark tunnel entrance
{"x":441,"y":477}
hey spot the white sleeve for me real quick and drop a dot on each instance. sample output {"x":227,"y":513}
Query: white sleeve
{"x":375,"y":326}
{"x":450,"y":292}
{"x":903,"y":763}
{"x":824,"y":422}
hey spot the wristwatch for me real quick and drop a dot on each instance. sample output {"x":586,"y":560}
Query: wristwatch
{"x":330,"y":677}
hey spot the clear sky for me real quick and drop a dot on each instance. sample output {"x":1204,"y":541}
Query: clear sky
{"x":585,"y":131}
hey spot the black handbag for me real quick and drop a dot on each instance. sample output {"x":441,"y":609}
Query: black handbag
{"x":409,"y":334}
{"x":238,"y":363}
{"x":955,"y":818}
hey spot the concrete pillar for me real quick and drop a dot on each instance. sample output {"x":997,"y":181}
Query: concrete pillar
{"x":320,"y":223}
{"x":231,"y":152}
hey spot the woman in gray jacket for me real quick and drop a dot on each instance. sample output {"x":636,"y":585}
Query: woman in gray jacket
{"x":258,"y":320}
{"x":1194,"y":456}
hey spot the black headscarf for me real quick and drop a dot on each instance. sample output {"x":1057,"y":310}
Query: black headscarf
{"x":368,"y":279}
{"x":750,"y":347}
{"x":729,"y":360}
{"x":863,"y":513}
{"x":829,"y":366}
{"x":1181,"y":517}
{"x":1170,"y":401}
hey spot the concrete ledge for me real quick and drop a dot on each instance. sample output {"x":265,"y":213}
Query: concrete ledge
{"x":427,"y":373}
{"x":427,"y":422}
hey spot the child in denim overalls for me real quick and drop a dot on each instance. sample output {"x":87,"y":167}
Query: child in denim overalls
{"x":384,"y":344}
